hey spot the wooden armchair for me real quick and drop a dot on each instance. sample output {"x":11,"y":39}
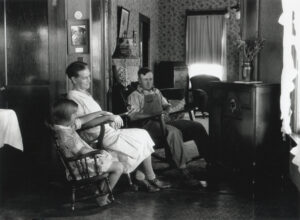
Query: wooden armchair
{"x":80,"y":176}
{"x":177,"y":98}
{"x":200,"y":91}
{"x":82,"y":171}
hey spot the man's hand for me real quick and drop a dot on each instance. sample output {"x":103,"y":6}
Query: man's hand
{"x":165,"y":116}
{"x":167,"y":108}
{"x":129,"y":111}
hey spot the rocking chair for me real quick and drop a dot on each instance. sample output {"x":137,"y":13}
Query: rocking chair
{"x":78,"y":174}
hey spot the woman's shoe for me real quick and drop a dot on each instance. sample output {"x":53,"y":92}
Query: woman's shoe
{"x":146,"y":186}
{"x":160,"y":184}
{"x":103,"y":201}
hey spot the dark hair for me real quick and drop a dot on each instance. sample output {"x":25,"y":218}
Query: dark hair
{"x":62,"y":110}
{"x":73,"y":68}
{"x":143,"y":71}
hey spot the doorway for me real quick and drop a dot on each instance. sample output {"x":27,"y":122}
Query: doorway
{"x":144,"y":41}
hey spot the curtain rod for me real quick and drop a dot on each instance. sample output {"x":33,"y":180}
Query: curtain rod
{"x":206,"y":12}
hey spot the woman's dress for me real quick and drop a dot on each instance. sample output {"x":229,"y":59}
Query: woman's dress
{"x":130,"y":146}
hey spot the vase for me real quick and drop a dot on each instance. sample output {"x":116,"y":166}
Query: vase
{"x":246,"y":71}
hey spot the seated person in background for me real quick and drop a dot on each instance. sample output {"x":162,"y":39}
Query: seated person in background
{"x":65,"y":123}
{"x":132,"y":147}
{"x":146,"y":101}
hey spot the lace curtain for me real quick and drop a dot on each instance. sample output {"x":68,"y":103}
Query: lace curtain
{"x":290,"y":20}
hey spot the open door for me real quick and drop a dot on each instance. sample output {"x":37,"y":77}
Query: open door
{"x":144,"y":31}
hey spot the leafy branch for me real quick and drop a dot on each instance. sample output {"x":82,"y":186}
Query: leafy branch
{"x":250,"y":48}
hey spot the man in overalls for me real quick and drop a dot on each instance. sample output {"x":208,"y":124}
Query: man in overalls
{"x":146,"y":101}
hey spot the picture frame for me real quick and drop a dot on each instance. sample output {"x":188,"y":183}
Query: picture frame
{"x":123,"y":21}
{"x":78,"y":37}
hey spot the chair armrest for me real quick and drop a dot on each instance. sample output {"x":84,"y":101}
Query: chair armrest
{"x":157,"y":117}
{"x":187,"y":108}
{"x":199,"y":91}
{"x":152,"y":117}
{"x":91,"y":124}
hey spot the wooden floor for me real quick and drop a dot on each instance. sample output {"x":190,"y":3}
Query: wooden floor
{"x":227,"y":197}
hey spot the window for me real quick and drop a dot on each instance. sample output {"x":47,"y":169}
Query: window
{"x":206,"y":44}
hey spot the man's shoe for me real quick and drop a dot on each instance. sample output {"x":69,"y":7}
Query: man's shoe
{"x":203,"y":183}
{"x":146,"y":186}
{"x":189,"y":180}
{"x":160,"y":184}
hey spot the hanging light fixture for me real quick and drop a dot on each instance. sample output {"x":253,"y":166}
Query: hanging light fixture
{"x":227,"y":15}
{"x":237,"y":11}
{"x":233,"y":9}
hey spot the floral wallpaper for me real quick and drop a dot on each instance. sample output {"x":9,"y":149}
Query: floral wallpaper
{"x":167,"y":20}
{"x":172,"y":31}
{"x":148,"y":8}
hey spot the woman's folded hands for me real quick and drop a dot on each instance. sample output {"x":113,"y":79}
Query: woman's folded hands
{"x":117,"y":122}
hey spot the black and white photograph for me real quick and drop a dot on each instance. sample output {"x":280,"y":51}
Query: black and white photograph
{"x":79,"y":35}
{"x":149,"y":109}
{"x":124,"y":22}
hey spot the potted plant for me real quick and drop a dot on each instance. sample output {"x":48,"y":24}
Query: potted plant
{"x":250,"y":49}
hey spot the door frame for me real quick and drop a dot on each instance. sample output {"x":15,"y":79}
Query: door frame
{"x":143,"y":19}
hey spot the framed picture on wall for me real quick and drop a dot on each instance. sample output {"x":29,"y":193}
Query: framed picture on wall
{"x":78,"y":36}
{"x":123,"y":22}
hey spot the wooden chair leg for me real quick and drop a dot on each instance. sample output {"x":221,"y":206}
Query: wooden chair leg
{"x":132,"y":187}
{"x":73,"y":197}
{"x":129,"y":179}
{"x":109,"y":189}
{"x":192,"y":114}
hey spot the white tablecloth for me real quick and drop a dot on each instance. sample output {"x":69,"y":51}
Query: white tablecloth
{"x":10,"y":130}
